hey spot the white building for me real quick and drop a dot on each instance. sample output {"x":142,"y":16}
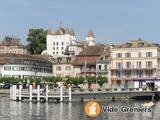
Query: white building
{"x":63,"y":42}
{"x":21,"y":66}
{"x":58,"y":42}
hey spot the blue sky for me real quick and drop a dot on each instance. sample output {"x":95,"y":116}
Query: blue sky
{"x":113,"y":21}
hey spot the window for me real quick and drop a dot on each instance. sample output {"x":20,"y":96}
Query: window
{"x":56,"y":52}
{"x":53,"y":43}
{"x":128,"y":64}
{"x":148,"y":54}
{"x":118,"y":74}
{"x":99,"y":67}
{"x":57,"y":48}
{"x":57,"y":43}
{"x":62,"y":48}
{"x":139,"y":64}
{"x":140,"y":44}
{"x":127,"y":55}
{"x":68,"y":60}
{"x":58,"y":68}
{"x":53,"y":48}
{"x":22,"y":68}
{"x":118,"y":65}
{"x":53,"y":53}
{"x":7,"y":68}
{"x":149,"y":64}
{"x":59,"y":59}
{"x":68,"y":68}
{"x":106,"y":67}
{"x":149,"y":73}
{"x":128,"y":73}
{"x":118,"y":55}
{"x":62,"y":43}
{"x":139,"y":73}
{"x":15,"y":68}
{"x":29,"y":69}
{"x":139,"y":54}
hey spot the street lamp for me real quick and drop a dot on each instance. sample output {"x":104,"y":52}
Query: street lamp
{"x":96,"y":73}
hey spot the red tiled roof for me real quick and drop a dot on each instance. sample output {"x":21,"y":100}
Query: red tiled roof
{"x":91,"y":60}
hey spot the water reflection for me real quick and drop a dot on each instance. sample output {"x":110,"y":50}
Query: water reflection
{"x":11,"y":110}
{"x":61,"y":111}
{"x":69,"y":111}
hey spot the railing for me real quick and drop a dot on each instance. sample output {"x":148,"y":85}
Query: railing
{"x":134,"y":68}
{"x":88,"y":70}
{"x":133,"y":77}
{"x":112,"y":90}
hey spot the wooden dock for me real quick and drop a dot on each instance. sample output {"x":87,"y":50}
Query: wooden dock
{"x":60,"y":96}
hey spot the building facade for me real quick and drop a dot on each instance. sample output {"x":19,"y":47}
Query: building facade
{"x":62,"y":67}
{"x":12,"y":45}
{"x":93,"y":61}
{"x":18,"y":65}
{"x":135,"y":64}
{"x":58,"y":41}
{"x":63,"y":42}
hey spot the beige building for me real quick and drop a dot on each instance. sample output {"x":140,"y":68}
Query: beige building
{"x":12,"y":45}
{"x":135,"y":64}
{"x":62,"y":67}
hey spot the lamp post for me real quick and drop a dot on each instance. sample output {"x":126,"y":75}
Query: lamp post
{"x":96,"y":72}
{"x":85,"y":65}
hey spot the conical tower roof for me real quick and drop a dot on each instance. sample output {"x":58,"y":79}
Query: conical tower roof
{"x":49,"y":31}
{"x":60,"y":31}
{"x":90,"y":34}
{"x":67,"y":31}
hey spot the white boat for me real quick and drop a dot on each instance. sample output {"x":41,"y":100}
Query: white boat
{"x":148,"y":105}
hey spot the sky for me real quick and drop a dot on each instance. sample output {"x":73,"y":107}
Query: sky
{"x":112,"y":21}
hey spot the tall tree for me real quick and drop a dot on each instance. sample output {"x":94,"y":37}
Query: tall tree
{"x":37,"y":40}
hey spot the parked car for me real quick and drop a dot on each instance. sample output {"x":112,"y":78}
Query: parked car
{"x":1,"y":85}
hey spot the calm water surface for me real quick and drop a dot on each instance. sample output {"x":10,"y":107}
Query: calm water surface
{"x":10,"y":110}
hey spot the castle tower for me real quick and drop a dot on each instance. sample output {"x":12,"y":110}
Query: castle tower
{"x":90,"y":39}
{"x":58,"y":41}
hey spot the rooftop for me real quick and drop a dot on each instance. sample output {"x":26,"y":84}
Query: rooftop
{"x":11,"y":41}
{"x":92,"y":50}
{"x":92,"y":53}
{"x":135,"y":44}
{"x":42,"y":60}
{"x":90,"y":34}
{"x":62,"y":31}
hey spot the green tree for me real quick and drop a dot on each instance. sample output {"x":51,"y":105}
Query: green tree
{"x":36,"y":40}
{"x":101,"y":80}
{"x":91,"y":79}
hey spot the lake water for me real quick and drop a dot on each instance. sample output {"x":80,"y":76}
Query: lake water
{"x":10,"y":110}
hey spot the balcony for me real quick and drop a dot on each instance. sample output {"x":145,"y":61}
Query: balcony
{"x":102,"y":71}
{"x":88,"y":70}
{"x":135,"y":68}
{"x":144,"y":77}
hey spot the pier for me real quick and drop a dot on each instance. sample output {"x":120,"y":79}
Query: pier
{"x":68,"y":95}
